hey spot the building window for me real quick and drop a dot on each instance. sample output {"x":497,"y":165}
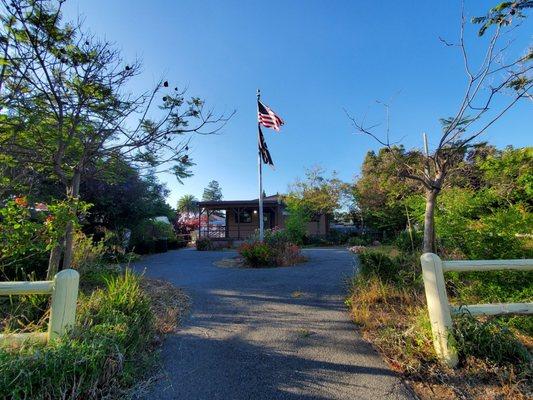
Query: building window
{"x":243,"y":217}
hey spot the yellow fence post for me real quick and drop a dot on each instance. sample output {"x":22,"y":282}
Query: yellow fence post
{"x":63,"y":304}
{"x":439,"y":309}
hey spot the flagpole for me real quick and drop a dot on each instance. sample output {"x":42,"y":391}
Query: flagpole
{"x":260,"y":171}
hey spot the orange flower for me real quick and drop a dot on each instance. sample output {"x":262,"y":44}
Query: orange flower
{"x":49,"y":219}
{"x":21,"y":201}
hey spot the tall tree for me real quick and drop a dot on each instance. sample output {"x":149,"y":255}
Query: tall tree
{"x":187,"y":205}
{"x":494,"y":86}
{"x":70,"y":110}
{"x":213,"y":192}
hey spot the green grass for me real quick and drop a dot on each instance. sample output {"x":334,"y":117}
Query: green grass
{"x":104,"y":353}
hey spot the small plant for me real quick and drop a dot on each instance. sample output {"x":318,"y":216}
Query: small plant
{"x":204,"y":244}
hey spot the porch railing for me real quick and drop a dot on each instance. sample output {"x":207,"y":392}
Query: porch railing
{"x":440,"y":312}
{"x":64,"y":291}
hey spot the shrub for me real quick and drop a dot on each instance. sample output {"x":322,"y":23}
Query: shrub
{"x":103,"y":353}
{"x":257,"y":254}
{"x":177,"y":242}
{"x":276,"y":250}
{"x":489,"y":341}
{"x":296,"y":222}
{"x":203,"y":244}
{"x":87,"y":254}
{"x":409,"y":242}
{"x":403,"y":270}
{"x":151,"y":236}
{"x":362,"y":240}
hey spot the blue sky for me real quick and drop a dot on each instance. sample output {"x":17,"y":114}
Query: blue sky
{"x":312,"y":59}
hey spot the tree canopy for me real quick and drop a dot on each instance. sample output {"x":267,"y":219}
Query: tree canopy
{"x":213,"y":192}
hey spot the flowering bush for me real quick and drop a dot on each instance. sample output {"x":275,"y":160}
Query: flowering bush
{"x":256,"y":254}
{"x":275,"y":250}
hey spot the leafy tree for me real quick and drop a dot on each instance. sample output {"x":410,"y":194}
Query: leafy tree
{"x":493,"y":87}
{"x":213,"y":192}
{"x":69,"y":110}
{"x":380,"y":190}
{"x":296,"y":221}
{"x":123,"y":199}
{"x":491,"y":219}
{"x":316,"y":194}
{"x":509,"y":174}
{"x":188,"y":205}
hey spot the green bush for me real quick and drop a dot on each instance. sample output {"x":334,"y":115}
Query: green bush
{"x":409,"y":242}
{"x":489,"y":341}
{"x":104,"y":353}
{"x":276,"y":250}
{"x":296,"y":222}
{"x":337,"y":238}
{"x":151,"y":236}
{"x":87,"y":254}
{"x":361,"y":240}
{"x":177,"y":242}
{"x":204,"y":244}
{"x":401,"y":270}
{"x":256,"y":254}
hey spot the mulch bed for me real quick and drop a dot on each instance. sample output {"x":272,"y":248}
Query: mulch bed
{"x":170,"y":304}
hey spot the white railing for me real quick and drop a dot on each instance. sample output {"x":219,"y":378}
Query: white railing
{"x":440,"y":312}
{"x":64,"y":292}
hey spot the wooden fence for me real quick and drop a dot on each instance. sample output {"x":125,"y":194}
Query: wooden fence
{"x":440,"y":312}
{"x":64,"y":292}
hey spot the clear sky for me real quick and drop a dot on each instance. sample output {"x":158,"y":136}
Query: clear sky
{"x":311,"y":59}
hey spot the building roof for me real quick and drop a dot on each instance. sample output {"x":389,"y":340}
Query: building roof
{"x":267,"y":200}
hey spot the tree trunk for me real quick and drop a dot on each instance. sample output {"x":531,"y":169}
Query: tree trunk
{"x":53,"y":262}
{"x":73,"y":191}
{"x":429,"y":221}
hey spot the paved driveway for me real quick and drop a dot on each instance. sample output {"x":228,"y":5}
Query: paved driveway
{"x":280,"y":333}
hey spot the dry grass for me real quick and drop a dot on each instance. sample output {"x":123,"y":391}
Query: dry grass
{"x":168,"y":303}
{"x":395,"y":321}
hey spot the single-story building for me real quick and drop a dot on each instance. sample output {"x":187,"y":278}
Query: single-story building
{"x":242,"y":220}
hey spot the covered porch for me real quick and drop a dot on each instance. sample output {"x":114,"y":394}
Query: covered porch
{"x":238,"y":219}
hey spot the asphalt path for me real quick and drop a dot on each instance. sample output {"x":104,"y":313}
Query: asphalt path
{"x":277,"y":333}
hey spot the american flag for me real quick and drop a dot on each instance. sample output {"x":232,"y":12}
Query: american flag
{"x":267,"y":117}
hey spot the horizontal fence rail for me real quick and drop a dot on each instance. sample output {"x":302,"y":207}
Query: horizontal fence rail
{"x":64,"y":292}
{"x":21,"y":288}
{"x":486,"y":265}
{"x":440,"y":311}
{"x":494,"y":309}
